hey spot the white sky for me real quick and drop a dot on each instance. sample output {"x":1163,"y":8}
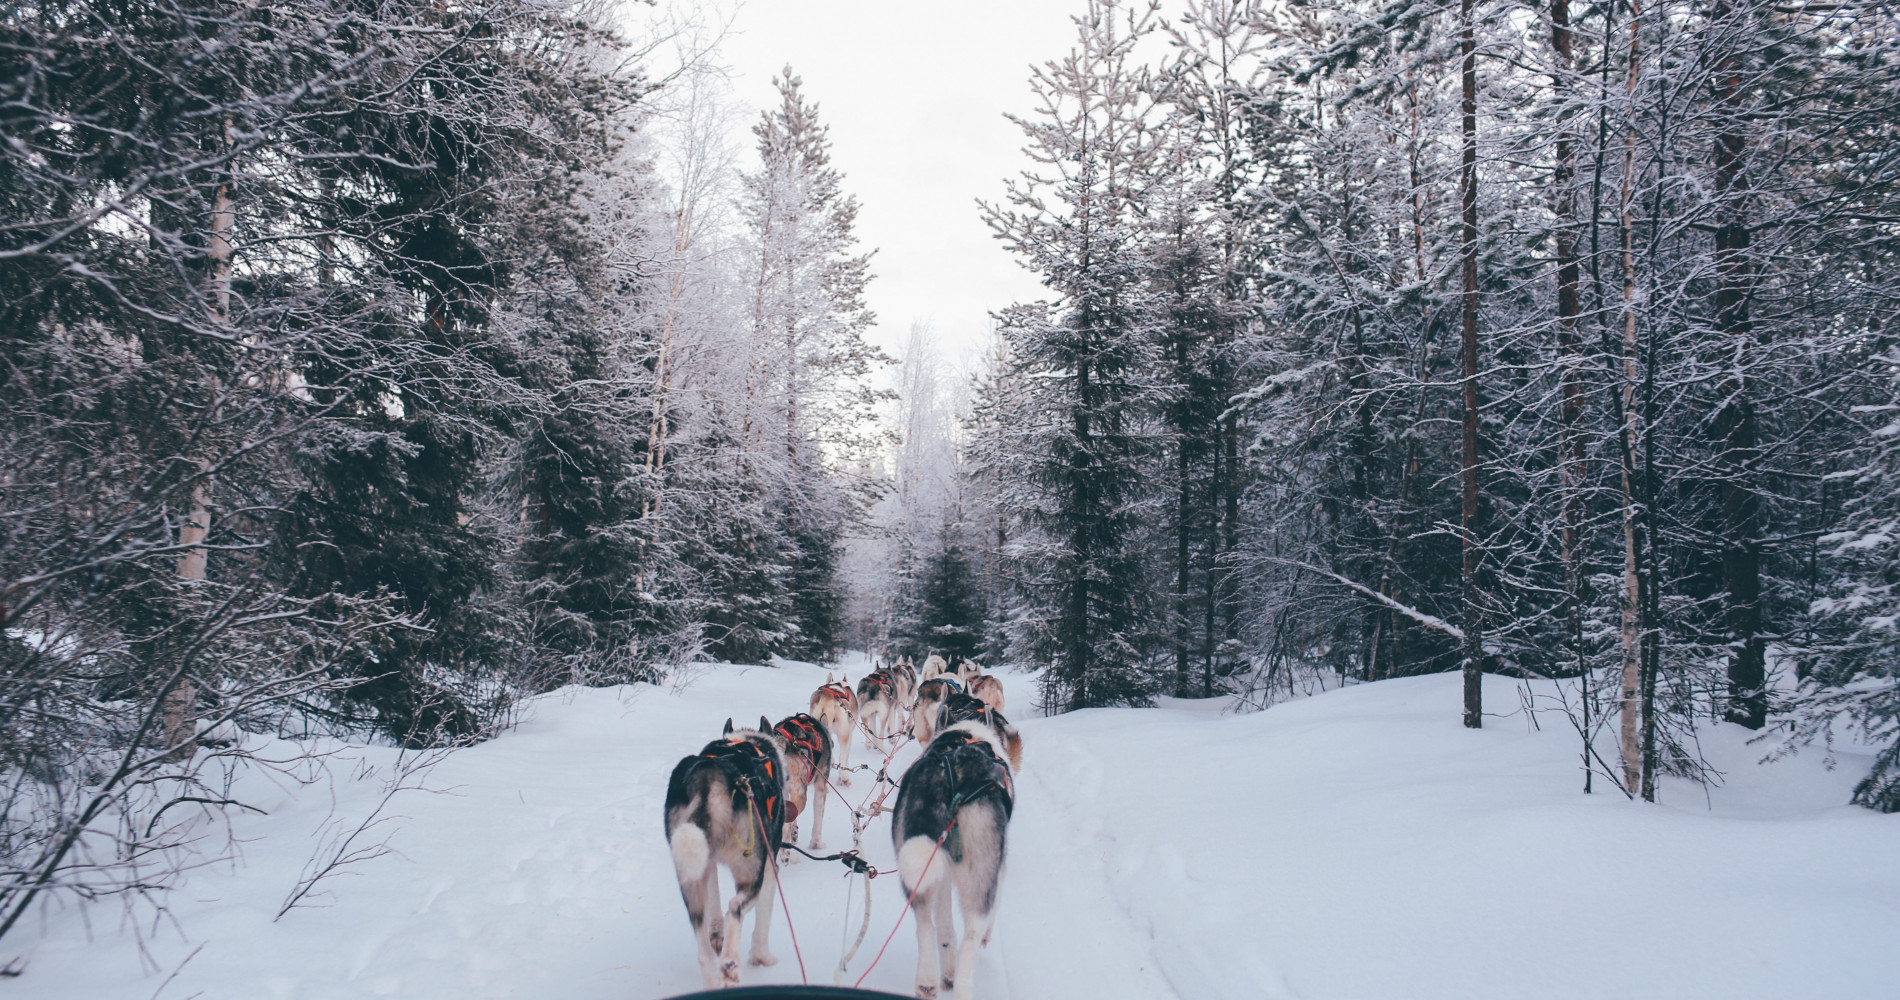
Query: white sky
{"x":914,"y":93}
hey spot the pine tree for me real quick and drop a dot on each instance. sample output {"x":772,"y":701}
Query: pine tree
{"x":1086,"y":366}
{"x":949,"y":609}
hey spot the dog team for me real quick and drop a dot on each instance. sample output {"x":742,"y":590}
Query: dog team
{"x":738,"y":801}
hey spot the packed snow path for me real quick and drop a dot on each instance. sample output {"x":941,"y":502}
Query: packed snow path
{"x":1359,"y":844}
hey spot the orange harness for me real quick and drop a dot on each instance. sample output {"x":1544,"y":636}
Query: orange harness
{"x":756,"y":773}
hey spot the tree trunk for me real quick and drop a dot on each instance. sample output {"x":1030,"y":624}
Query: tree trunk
{"x":1632,"y":631}
{"x":1082,"y":542}
{"x":1468,"y":521}
{"x":179,"y":712}
{"x":1734,"y":424}
{"x":1570,"y":347}
{"x":662,"y":363}
{"x":1182,"y":529}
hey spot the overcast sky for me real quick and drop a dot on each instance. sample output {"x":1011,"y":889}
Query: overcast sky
{"x":914,"y":93}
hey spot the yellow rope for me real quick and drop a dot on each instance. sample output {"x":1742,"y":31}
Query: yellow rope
{"x":753,"y":814}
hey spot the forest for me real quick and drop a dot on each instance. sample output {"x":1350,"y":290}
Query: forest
{"x":369,"y":368}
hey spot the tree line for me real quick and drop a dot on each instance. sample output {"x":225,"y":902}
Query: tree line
{"x":366,"y":367}
{"x":1383,"y":338}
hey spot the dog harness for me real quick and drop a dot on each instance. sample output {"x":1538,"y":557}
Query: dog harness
{"x":758,"y":778}
{"x":840,"y":691}
{"x":881,"y":680}
{"x":802,"y":734}
{"x":948,"y":747}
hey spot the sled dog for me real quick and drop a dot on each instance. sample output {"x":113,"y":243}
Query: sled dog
{"x":967,"y":670}
{"x":836,"y":706}
{"x":960,"y":708}
{"x":906,"y":677}
{"x":952,"y":814}
{"x":806,"y":747}
{"x":877,"y":705}
{"x":934,"y":667}
{"x":726,"y":806}
{"x":987,"y":689}
{"x":931,"y":695}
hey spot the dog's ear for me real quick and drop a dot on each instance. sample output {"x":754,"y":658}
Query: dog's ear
{"x":827,"y":677}
{"x":728,"y":731}
{"x":765,"y":724}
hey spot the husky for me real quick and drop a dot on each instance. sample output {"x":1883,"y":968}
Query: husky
{"x":952,"y":815}
{"x":726,"y":806}
{"x":934,"y":667}
{"x":960,"y":708}
{"x":987,"y":689}
{"x":967,"y":671}
{"x":806,"y":747}
{"x":877,"y":705}
{"x":836,"y":706}
{"x":906,"y":677}
{"x":931,"y":695}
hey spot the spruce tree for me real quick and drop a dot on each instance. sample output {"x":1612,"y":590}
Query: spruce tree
{"x":1088,"y":364}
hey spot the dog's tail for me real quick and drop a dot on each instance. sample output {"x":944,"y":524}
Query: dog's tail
{"x":709,"y":800}
{"x":691,"y":852}
{"x":919,"y":870}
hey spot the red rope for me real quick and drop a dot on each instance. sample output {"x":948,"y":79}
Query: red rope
{"x":908,"y":902}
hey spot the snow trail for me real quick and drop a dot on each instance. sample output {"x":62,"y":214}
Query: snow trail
{"x":1359,"y":844}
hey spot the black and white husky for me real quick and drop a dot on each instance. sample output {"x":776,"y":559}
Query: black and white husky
{"x":952,"y":816}
{"x":726,"y":806}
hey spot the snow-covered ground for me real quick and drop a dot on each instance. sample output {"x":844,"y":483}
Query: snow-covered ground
{"x":1358,"y":844}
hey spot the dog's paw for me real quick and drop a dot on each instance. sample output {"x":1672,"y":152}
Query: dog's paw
{"x":927,"y":992}
{"x":816,"y":847}
{"x":764,"y":958}
{"x":730,"y":971}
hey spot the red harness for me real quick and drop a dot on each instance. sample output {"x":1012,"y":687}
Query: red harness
{"x":882,"y":680}
{"x":804,"y":736}
{"x":837,"y":690}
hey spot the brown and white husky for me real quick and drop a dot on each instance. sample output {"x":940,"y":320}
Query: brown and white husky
{"x":807,"y":748}
{"x":988,"y":690}
{"x":878,"y":706}
{"x":906,"y":677}
{"x":836,"y":707}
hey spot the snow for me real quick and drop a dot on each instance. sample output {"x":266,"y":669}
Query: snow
{"x":1356,"y":844}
